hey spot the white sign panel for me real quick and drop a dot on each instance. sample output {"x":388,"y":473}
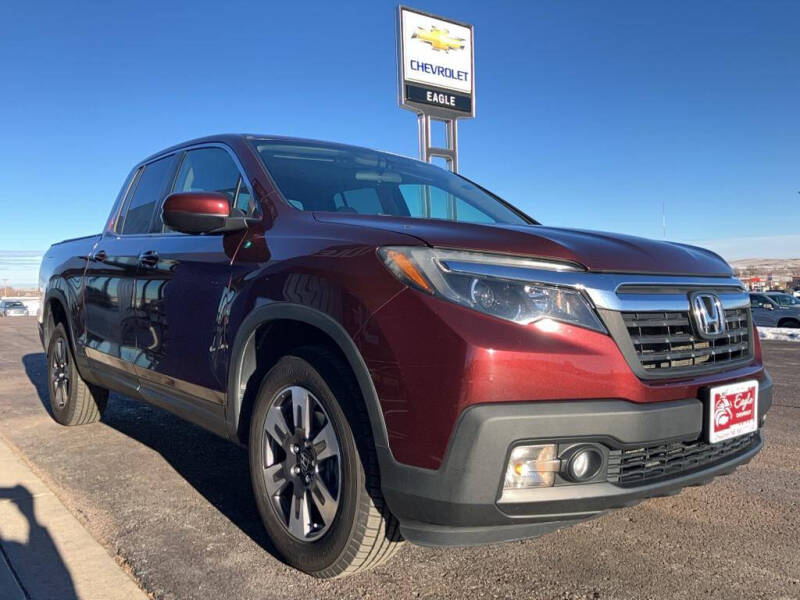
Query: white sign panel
{"x":435,"y":58}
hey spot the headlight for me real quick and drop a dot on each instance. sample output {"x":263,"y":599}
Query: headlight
{"x":498,"y":285}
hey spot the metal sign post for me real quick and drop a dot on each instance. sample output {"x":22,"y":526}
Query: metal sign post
{"x":427,"y":152}
{"x":436,"y":80}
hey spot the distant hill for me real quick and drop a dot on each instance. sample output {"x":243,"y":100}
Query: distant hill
{"x":783,"y":268}
{"x":765,"y":264}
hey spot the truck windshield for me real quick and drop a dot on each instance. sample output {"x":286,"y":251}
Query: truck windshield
{"x":321,"y":177}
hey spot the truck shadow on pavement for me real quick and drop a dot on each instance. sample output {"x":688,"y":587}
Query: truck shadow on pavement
{"x":215,"y":468}
{"x":36,"y":564}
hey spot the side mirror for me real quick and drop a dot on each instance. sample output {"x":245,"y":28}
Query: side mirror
{"x":202,"y":212}
{"x":767,"y":305}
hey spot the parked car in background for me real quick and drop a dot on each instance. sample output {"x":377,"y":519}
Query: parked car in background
{"x":405,"y":355}
{"x":796,"y":293}
{"x":784,"y":298}
{"x":13,"y":308}
{"x":768,"y":312}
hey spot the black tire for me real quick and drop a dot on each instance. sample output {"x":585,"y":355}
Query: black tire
{"x":72,"y":400}
{"x":363,"y":534}
{"x":790,"y":323}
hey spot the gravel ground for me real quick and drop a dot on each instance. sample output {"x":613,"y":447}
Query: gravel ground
{"x":173,"y":503}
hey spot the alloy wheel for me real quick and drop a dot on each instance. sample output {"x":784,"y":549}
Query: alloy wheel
{"x":301,"y":463}
{"x":59,"y":372}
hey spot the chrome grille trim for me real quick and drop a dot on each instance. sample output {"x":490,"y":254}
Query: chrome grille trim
{"x":665,"y":341}
{"x":652,"y":326}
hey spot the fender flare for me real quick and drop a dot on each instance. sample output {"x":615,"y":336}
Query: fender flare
{"x":245,"y":337}
{"x":56,"y":294}
{"x":84,"y":369}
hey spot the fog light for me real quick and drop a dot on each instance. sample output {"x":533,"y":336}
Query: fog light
{"x":584,"y":464}
{"x":532,"y":466}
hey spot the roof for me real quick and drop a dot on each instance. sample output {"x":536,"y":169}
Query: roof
{"x":231,"y":139}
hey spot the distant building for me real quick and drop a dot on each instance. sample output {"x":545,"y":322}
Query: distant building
{"x":759,"y":282}
{"x":768,"y":273}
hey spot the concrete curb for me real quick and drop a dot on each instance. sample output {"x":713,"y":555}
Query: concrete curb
{"x":45,"y":552}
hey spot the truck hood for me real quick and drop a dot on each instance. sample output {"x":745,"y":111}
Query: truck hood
{"x":597,"y":251}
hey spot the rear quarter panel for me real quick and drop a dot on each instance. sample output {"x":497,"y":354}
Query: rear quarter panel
{"x":61,"y":277}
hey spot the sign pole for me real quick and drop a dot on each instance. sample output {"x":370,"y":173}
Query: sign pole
{"x":424,"y":135}
{"x":449,"y":152}
{"x":452,"y":143}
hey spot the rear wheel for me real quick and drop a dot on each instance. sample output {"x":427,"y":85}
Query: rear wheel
{"x":791,"y":323}
{"x":316,"y":487}
{"x":72,"y":400}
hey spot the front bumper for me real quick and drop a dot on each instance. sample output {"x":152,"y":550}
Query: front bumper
{"x":460,"y":503}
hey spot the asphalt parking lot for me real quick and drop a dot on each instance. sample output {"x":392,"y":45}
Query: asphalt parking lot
{"x":173,"y":504}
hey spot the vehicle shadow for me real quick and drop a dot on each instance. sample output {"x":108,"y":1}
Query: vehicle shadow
{"x":214,"y":467}
{"x":36,"y":370}
{"x":36,"y":563}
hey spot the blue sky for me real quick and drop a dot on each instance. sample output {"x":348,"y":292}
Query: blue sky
{"x":589,"y":114}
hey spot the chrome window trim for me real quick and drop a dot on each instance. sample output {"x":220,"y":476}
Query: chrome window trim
{"x":606,"y":289}
{"x":181,"y":154}
{"x":122,"y":209}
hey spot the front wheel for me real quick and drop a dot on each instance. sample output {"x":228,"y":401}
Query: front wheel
{"x":73,"y":401}
{"x":316,"y":488}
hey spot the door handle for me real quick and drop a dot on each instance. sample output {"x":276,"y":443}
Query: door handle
{"x":148,"y":259}
{"x":100,"y":256}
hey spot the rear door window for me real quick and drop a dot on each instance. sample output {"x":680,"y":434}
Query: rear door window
{"x":785,"y":300}
{"x":150,"y":187}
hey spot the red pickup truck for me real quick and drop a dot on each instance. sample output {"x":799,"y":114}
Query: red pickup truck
{"x":406,"y":355}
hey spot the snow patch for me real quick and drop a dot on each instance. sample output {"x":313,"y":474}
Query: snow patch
{"x":783,"y":334}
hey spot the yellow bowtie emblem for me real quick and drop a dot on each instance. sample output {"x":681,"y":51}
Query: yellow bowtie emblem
{"x":439,"y":39}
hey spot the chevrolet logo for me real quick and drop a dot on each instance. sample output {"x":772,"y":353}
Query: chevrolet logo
{"x":439,"y":39}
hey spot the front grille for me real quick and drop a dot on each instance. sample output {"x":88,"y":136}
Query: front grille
{"x":665,"y":341}
{"x":638,"y":466}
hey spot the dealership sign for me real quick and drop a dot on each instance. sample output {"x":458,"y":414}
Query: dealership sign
{"x":435,"y":64}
